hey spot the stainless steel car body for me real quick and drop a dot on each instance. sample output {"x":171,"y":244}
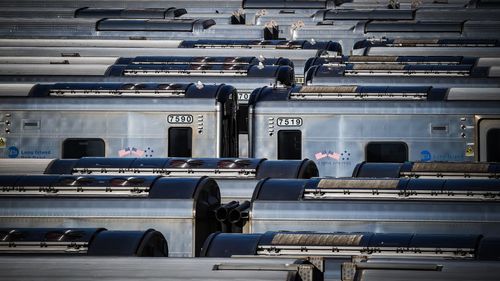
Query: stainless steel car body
{"x":336,"y":127}
{"x":37,"y":127}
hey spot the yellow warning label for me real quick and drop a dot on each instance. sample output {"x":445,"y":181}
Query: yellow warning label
{"x":469,"y":151}
{"x":3,"y":142}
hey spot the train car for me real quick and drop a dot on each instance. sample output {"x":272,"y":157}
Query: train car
{"x":171,"y":269}
{"x":347,"y":245}
{"x":82,"y":241}
{"x":345,"y":255}
{"x":159,"y":60}
{"x":72,"y":50}
{"x":73,"y":120}
{"x":405,"y":4}
{"x":87,"y":12}
{"x":179,"y":28}
{"x":240,"y":71}
{"x":407,"y":14}
{"x":413,"y":270}
{"x":342,"y":126}
{"x":451,"y":206}
{"x":407,"y":74}
{"x":428,"y":47}
{"x":194,"y":5}
{"x":182,"y":209}
{"x":244,"y":73}
{"x":347,"y":33}
{"x":312,"y":18}
{"x":427,"y":170}
{"x":236,"y":17}
{"x":236,"y":178}
{"x":379,"y":63}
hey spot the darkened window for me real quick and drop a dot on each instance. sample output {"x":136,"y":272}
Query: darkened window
{"x":78,"y":148}
{"x":493,"y":145}
{"x":394,"y":152}
{"x":289,"y":144}
{"x":180,"y":142}
{"x":242,"y":115}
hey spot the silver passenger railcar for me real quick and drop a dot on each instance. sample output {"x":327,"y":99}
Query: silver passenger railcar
{"x":255,"y":71}
{"x":465,"y":206}
{"x":394,"y":256}
{"x":182,"y":209}
{"x":72,"y":50}
{"x":73,"y":120}
{"x":347,"y":33}
{"x":428,"y":47}
{"x":178,"y":28}
{"x":396,"y":65}
{"x":87,"y":12}
{"x":346,"y":245}
{"x":244,"y":73}
{"x":236,"y":178}
{"x":344,"y":125}
{"x":387,"y":70}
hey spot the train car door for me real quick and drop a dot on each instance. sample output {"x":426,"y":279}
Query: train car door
{"x":489,"y":139}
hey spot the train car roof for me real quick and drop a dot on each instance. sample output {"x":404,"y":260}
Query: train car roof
{"x":256,"y":168}
{"x":275,"y":44}
{"x":167,"y":90}
{"x":377,"y":189}
{"x":359,"y":92}
{"x":426,"y":169}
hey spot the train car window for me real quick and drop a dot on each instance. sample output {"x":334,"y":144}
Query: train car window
{"x":290,"y":144}
{"x":394,"y":152}
{"x":180,"y":142}
{"x":78,"y":148}
{"x":492,"y":145}
{"x":242,"y":115}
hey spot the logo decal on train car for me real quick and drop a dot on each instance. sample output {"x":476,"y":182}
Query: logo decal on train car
{"x":426,"y":155}
{"x":13,"y":152}
{"x":289,"y":121}
{"x":3,"y":142}
{"x":180,"y":119}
